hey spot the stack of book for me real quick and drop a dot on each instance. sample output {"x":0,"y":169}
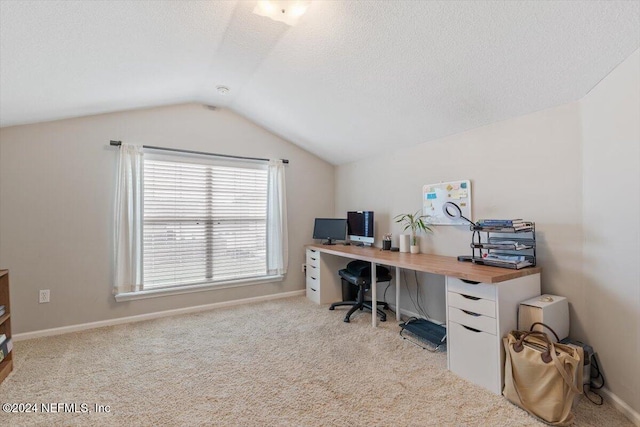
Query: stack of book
{"x":506,"y":224}
{"x":5,"y":346}
{"x":510,"y":261}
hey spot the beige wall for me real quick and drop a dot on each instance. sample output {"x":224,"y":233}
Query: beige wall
{"x":56,"y":207}
{"x":528,"y":167}
{"x":562,"y":168}
{"x":611,"y":214}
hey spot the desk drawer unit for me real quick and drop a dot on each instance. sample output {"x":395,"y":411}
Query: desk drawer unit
{"x":322,"y":282}
{"x":478,"y":316}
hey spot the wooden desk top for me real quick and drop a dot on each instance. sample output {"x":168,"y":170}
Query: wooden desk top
{"x":436,"y":264}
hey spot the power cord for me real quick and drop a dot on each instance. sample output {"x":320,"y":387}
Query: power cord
{"x":424,"y":312}
{"x":384,"y":296}
{"x":595,"y":368}
{"x":415,"y":305}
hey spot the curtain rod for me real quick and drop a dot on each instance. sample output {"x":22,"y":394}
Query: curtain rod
{"x":202,"y":153}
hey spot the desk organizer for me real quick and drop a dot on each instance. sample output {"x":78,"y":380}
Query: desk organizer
{"x":488,"y":244}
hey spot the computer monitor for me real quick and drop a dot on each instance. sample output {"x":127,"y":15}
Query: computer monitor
{"x":330,"y":229}
{"x":360,"y":227}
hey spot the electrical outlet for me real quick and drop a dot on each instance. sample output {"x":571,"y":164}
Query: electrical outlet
{"x":44,"y":296}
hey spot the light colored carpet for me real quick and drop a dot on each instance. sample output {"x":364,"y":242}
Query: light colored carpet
{"x":279,"y":363}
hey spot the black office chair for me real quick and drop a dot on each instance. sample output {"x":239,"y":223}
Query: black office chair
{"x":358,"y":273}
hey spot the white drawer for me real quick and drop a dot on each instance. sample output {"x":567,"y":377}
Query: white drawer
{"x":473,"y":355}
{"x":313,"y":290}
{"x":473,"y":289}
{"x":313,"y":271}
{"x":473,"y":320}
{"x":313,"y":282}
{"x":313,"y":258}
{"x":471,"y":303}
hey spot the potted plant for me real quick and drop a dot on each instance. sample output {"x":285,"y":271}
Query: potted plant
{"x":416,"y":222}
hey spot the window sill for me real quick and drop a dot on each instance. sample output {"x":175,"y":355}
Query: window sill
{"x":187,"y":289}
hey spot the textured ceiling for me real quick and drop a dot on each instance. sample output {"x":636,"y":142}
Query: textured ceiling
{"x":352,"y":79}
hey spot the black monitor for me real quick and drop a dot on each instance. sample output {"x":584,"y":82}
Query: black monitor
{"x":330,"y":229}
{"x":360,"y":227}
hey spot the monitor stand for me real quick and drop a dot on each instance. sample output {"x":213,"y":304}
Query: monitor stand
{"x":328,"y":242}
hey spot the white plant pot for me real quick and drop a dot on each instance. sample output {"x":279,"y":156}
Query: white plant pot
{"x":415,"y":249}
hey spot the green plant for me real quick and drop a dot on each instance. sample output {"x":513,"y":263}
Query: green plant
{"x":416,"y":222}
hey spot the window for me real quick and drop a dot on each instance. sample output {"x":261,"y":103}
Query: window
{"x":203,"y":222}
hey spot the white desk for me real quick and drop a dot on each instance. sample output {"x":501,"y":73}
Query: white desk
{"x":482,"y":301}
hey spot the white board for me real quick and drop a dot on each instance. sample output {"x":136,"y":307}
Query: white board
{"x":434,"y":196}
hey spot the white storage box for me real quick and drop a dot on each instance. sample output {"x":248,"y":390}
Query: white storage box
{"x":552,"y":310}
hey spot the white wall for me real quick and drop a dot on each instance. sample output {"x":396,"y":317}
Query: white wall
{"x":562,"y":168}
{"x":611,"y":215}
{"x":56,"y":207}
{"x":528,"y":167}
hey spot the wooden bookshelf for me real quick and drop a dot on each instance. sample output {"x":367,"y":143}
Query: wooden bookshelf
{"x":6,"y":366}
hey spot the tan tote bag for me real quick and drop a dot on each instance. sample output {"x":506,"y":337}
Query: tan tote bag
{"x":541,"y":377}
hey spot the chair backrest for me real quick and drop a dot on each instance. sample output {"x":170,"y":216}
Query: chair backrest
{"x":363,"y":269}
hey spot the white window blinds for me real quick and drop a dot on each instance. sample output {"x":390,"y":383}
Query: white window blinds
{"x":203,"y":223}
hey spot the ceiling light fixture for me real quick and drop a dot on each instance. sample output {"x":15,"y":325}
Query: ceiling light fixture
{"x":222,"y":90}
{"x":287,"y":11}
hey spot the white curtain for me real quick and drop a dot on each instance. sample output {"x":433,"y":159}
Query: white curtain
{"x":277,"y":237}
{"x":128,"y":220}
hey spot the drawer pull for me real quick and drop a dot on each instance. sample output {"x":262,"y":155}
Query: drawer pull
{"x":313,"y":289}
{"x":470,"y":297}
{"x":470,"y":282}
{"x":471,"y":313}
{"x":471,"y":329}
{"x":313,"y":278}
{"x":313,"y":258}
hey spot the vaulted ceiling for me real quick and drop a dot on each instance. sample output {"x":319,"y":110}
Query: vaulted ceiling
{"x":350,"y":80}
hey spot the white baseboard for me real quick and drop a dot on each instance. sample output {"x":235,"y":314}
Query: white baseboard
{"x":621,"y":406}
{"x":149,"y":316}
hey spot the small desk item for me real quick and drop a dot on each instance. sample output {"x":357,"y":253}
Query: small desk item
{"x":482,"y":301}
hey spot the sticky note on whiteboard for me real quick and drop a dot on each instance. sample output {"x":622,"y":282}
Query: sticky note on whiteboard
{"x":431,"y":196}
